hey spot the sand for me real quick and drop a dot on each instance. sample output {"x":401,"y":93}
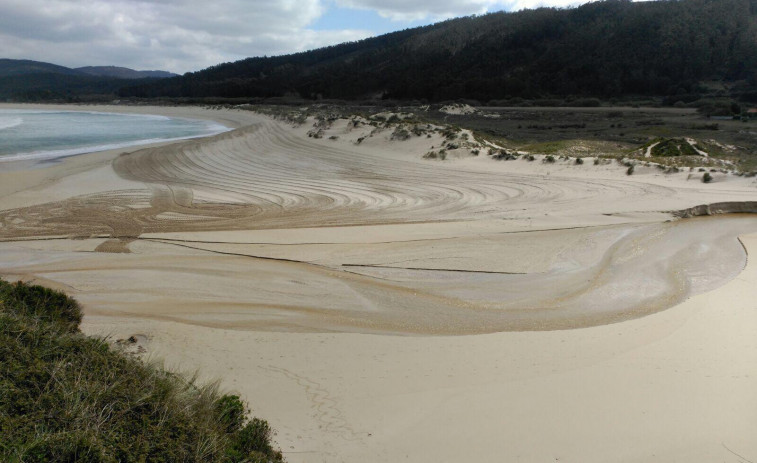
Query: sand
{"x":377,"y":306}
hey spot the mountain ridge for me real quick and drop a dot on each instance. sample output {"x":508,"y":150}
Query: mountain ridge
{"x":601,"y":49}
{"x":123,"y":73}
{"x":29,"y":80}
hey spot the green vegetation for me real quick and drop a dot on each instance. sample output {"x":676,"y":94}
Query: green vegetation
{"x":671,"y":51}
{"x":37,"y":81}
{"x":673,"y":147}
{"x":442,"y":154}
{"x":67,"y":397}
{"x":503,"y":155}
{"x":550,"y":147}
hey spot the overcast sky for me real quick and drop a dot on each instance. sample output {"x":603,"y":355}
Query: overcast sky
{"x":188,"y":35}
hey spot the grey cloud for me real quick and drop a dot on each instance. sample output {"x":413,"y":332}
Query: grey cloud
{"x":177,"y":35}
{"x":187,"y":35}
{"x":420,"y":9}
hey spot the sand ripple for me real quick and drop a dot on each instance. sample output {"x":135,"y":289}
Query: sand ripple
{"x":266,"y":177}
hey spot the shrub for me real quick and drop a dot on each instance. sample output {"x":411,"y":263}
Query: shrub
{"x":450,"y":133}
{"x":400,"y":133}
{"x":579,"y":161}
{"x":442,"y":154}
{"x":253,"y":440}
{"x":549,"y":159}
{"x":231,"y":412}
{"x":68,"y":397}
{"x":41,"y":303}
{"x":706,"y":178}
{"x":630,"y":170}
{"x":673,"y":147}
{"x":504,"y":155}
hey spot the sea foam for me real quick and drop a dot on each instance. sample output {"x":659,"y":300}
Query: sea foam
{"x":10,"y":122}
{"x":45,"y":135}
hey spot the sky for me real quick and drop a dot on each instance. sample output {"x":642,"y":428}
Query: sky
{"x":189,"y":35}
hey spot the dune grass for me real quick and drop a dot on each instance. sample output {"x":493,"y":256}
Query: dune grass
{"x":68,"y":397}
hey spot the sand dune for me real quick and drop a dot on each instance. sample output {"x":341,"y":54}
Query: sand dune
{"x":267,"y":176}
{"x":205,"y":245}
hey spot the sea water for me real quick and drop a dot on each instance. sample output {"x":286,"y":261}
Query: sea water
{"x":35,"y":134}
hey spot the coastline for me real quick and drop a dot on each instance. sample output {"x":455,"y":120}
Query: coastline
{"x":676,"y":384}
{"x":29,"y":160}
{"x":37,"y":173}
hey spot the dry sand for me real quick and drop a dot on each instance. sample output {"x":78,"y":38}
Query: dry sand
{"x":331,"y":284}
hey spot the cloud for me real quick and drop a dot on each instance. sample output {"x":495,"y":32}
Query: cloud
{"x":177,"y":35}
{"x":187,"y":35}
{"x":418,"y":10}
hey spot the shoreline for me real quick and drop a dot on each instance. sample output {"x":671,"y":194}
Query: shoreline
{"x":36,"y":159}
{"x":224,"y":254}
{"x":37,"y":173}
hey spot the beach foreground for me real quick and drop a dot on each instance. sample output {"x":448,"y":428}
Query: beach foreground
{"x":376,"y":306}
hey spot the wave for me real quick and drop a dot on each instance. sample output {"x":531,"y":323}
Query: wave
{"x":14,"y":112}
{"x":213,"y":129}
{"x":149,"y":117}
{"x":9,"y":123}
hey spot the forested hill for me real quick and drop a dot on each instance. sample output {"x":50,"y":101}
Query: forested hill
{"x":26,"y":80}
{"x":19,"y":67}
{"x":602,"y":49}
{"x":123,"y":73}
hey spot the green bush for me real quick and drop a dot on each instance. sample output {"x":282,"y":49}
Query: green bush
{"x":673,"y":147}
{"x":41,"y":303}
{"x":251,"y":442}
{"x":68,"y":397}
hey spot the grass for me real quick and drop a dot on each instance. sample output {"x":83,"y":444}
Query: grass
{"x":71,"y":398}
{"x":550,"y":147}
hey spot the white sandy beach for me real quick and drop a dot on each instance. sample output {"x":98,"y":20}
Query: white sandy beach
{"x":377,"y":306}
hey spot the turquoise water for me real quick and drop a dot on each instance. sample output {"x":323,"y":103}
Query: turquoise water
{"x":32,"y":134}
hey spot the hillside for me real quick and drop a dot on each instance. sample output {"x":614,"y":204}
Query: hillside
{"x":18,"y":67}
{"x":68,"y":397}
{"x":55,"y":86}
{"x":602,"y":49}
{"x":28,"y":80}
{"x":123,"y":73}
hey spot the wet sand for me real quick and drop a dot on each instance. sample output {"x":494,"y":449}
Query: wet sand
{"x":288,"y":266}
